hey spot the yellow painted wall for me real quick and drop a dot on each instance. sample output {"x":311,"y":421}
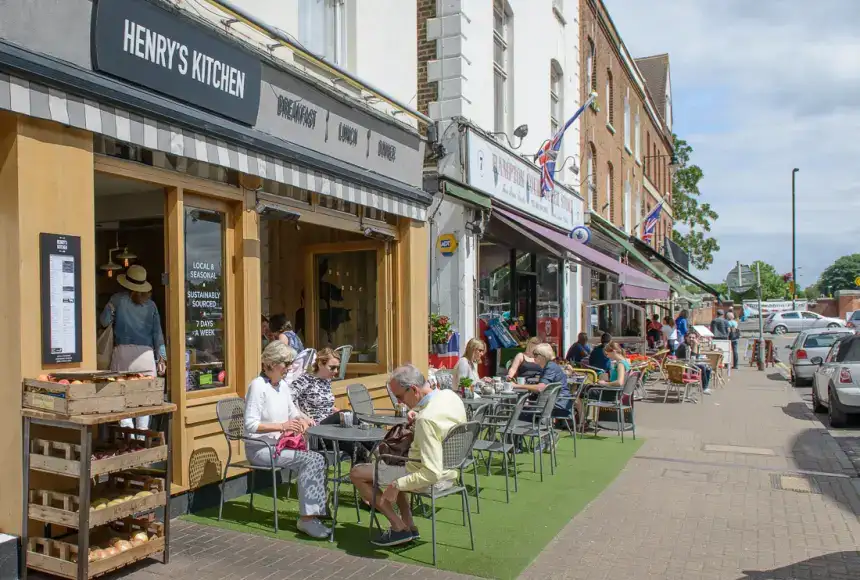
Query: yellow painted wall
{"x":46,"y":185}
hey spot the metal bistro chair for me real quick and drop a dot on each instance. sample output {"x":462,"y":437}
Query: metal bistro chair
{"x":541,"y":428}
{"x":456,"y":451}
{"x":570,"y":421}
{"x":630,"y":383}
{"x":343,"y":354}
{"x":360,"y":399}
{"x":231,"y":416}
{"x":478,"y":416}
{"x":501,"y":428}
{"x":445,"y":379}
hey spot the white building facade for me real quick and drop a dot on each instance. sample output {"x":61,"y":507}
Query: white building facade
{"x":492,"y":67}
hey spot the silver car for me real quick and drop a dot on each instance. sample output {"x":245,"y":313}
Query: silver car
{"x":798,"y":321}
{"x":836,"y":383}
{"x":808,"y":345}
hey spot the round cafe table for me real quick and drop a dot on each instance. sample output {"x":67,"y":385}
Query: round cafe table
{"x":382,"y":420}
{"x":337,"y":434}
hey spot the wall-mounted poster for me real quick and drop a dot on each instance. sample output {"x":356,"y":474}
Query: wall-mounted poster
{"x":60,"y":263}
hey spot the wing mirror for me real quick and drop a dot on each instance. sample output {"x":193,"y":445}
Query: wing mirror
{"x":817,"y":360}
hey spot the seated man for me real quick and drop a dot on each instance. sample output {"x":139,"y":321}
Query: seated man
{"x":687,"y":351}
{"x":579,"y":350}
{"x":435,"y":412}
{"x":598,"y":358}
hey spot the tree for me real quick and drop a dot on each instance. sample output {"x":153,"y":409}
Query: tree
{"x":812,"y":292}
{"x":698,"y":217}
{"x":840,"y":275}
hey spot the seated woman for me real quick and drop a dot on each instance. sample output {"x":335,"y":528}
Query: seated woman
{"x":619,"y":368}
{"x":524,"y":365}
{"x":270,"y":412}
{"x":312,"y":391}
{"x":467,"y":366}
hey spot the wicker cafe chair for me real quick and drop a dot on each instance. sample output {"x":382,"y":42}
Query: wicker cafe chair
{"x":618,"y":405}
{"x":456,"y":455}
{"x":715,"y":361}
{"x":231,"y":416}
{"x":682,"y":378}
{"x":343,"y":354}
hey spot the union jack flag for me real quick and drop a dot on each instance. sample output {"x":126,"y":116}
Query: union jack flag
{"x":548,"y":153}
{"x":651,"y":223}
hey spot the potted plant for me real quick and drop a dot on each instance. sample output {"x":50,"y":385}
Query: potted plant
{"x":465,"y":387}
{"x":440,"y":333}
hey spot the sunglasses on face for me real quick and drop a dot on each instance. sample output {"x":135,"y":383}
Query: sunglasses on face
{"x":333,"y":368}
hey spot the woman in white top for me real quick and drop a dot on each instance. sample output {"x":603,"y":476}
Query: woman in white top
{"x":269,"y":412}
{"x":670,"y":333}
{"x":467,"y":366}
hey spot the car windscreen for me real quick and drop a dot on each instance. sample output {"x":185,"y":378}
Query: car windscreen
{"x":849,"y":351}
{"x":823,"y":340}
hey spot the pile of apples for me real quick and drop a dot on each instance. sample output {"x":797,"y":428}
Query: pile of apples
{"x":125,"y":377}
{"x":103,"y":503}
{"x":116,"y":546}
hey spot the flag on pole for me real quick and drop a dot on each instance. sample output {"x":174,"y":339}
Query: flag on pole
{"x":651,"y":223}
{"x":548,"y":153}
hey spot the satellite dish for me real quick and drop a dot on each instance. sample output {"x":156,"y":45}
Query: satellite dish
{"x":580,"y":234}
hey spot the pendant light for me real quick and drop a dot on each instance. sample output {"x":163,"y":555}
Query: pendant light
{"x":125,"y":256}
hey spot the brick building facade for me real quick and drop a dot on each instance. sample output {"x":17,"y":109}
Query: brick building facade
{"x":626,"y":137}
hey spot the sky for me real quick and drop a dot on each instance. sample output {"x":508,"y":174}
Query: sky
{"x":759,"y":88}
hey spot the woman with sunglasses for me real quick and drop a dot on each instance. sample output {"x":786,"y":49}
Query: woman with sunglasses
{"x":312,"y":391}
{"x":467,"y":366}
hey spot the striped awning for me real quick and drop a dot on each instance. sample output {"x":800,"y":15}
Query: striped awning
{"x":35,"y":100}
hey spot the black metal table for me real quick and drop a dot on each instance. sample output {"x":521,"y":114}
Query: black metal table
{"x":337,"y":434}
{"x":382,"y":420}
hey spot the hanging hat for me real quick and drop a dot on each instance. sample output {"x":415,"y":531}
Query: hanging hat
{"x":134,"y":279}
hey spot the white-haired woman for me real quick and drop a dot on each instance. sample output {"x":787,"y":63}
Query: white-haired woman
{"x":270,"y":412}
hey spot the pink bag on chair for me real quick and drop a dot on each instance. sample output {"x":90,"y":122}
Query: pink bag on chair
{"x":292,"y":441}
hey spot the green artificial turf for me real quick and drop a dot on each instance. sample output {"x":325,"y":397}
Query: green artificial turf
{"x":507,"y":536}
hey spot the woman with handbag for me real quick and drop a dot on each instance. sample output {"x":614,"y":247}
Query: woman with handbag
{"x":138,"y":341}
{"x":278,"y":426}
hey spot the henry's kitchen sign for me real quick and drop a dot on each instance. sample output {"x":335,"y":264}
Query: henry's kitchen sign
{"x":168,"y":53}
{"x":516,"y":183}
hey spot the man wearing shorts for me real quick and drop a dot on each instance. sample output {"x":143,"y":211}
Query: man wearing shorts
{"x":434,"y":412}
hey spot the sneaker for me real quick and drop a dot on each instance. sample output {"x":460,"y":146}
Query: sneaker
{"x":416,"y":535}
{"x":393,"y":538}
{"x":708,"y":392}
{"x":314,"y":528}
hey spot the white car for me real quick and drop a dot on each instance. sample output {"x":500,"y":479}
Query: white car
{"x":836,"y":383}
{"x":798,"y":321}
{"x":808,"y":345}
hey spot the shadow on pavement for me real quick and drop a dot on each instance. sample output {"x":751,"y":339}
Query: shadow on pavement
{"x":798,"y":410}
{"x":835,"y":566}
{"x":817,"y":451}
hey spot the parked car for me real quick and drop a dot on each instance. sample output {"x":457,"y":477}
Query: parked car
{"x":798,"y":321}
{"x":853,"y":320}
{"x":836,"y":382}
{"x":808,"y":345}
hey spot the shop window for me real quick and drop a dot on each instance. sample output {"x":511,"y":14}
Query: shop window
{"x":525,"y":262}
{"x":346,"y":298}
{"x":495,"y":279}
{"x":205,"y":324}
{"x":548,"y":301}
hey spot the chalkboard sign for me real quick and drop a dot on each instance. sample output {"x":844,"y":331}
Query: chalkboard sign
{"x":60,"y":265}
{"x":204,"y":298}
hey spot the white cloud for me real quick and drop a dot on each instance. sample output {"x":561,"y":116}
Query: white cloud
{"x":759,"y":88}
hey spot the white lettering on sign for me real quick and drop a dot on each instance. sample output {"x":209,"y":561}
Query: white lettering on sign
{"x":160,"y":50}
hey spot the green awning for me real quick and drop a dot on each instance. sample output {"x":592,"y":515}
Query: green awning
{"x":609,"y":230}
{"x":465,"y":194}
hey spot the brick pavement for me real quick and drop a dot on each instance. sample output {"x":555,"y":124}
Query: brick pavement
{"x":679,"y":511}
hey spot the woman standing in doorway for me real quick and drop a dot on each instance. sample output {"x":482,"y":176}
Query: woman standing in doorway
{"x":138,"y":339}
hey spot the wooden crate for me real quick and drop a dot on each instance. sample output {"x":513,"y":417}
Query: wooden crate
{"x":60,"y":558}
{"x":62,"y":508}
{"x":99,"y":396}
{"x":65,"y":458}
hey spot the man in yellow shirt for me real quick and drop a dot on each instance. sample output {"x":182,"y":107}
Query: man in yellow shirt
{"x":435,"y":413}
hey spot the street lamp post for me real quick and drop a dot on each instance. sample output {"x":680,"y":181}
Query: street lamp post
{"x":793,"y":242}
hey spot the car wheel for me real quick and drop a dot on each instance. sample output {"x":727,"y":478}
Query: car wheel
{"x":817,"y":407}
{"x":837,"y":416}
{"x":780,"y":329}
{"x":832,"y":325}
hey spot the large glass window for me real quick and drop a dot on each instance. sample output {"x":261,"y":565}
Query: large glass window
{"x":205,"y":328}
{"x":501,"y":64}
{"x":495,"y":279}
{"x":548,"y":301}
{"x":346,"y":291}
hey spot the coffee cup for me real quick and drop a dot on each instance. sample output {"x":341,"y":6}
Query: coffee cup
{"x":521,"y":381}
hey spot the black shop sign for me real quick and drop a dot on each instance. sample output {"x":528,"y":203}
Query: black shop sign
{"x":169,"y":53}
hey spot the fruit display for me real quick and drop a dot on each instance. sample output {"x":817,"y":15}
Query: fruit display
{"x":103,"y":503}
{"x":89,"y":379}
{"x":118,"y":545}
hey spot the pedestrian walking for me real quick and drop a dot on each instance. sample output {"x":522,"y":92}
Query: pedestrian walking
{"x":734,"y":336}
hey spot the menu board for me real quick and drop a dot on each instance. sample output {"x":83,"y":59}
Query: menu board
{"x":60,"y":288}
{"x":204,"y":298}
